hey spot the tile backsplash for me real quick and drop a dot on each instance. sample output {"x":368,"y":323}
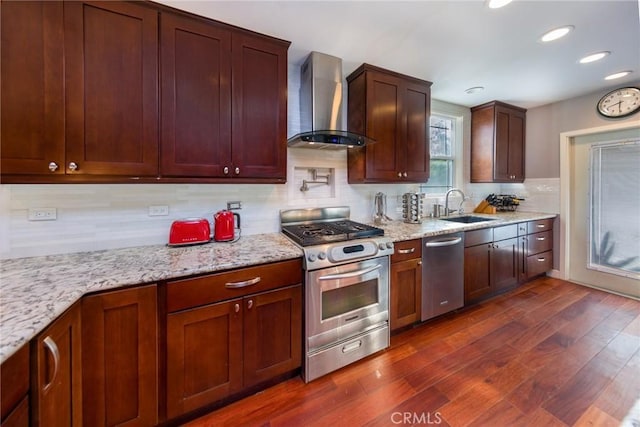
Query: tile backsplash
{"x":107,"y":216}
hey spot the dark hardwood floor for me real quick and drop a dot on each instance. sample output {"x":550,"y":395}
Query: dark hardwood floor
{"x":550,"y":353}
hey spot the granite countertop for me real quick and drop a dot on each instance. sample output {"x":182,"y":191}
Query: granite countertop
{"x":35,"y":291}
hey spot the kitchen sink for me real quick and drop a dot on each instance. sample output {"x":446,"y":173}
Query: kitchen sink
{"x":467,"y":219}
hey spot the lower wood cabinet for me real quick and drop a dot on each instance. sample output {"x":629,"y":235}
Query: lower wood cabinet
{"x":490,"y":262}
{"x":406,"y":284}
{"x":536,"y":248}
{"x":218,"y":345}
{"x":56,"y":372}
{"x":14,"y":389}
{"x":119,"y":357}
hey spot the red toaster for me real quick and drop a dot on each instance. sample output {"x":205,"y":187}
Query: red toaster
{"x":189,"y":231}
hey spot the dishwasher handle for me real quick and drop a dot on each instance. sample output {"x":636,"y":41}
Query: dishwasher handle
{"x":444,"y":242}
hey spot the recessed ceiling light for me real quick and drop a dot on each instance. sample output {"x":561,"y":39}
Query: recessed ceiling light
{"x":557,"y":33}
{"x":617,"y":75}
{"x":594,"y":57}
{"x":474,"y":89}
{"x":495,"y":4}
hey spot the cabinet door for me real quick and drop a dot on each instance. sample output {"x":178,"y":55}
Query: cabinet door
{"x":32,"y":91}
{"x":57,"y":374}
{"x":477,"y":272}
{"x":14,"y":389}
{"x":272,"y":334}
{"x":119,"y":358}
{"x":196,"y":97}
{"x":406,"y":293}
{"x":111,"y":81}
{"x":417,"y":110}
{"x":384,"y":159}
{"x":509,"y":145}
{"x":259,"y":93}
{"x":504,"y":264}
{"x":204,"y":355}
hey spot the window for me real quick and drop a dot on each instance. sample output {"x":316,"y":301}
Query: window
{"x":442,"y":147}
{"x":615,"y":197}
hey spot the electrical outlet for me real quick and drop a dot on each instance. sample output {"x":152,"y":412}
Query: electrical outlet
{"x":43,"y":214}
{"x":160,"y":210}
{"x":234,"y":206}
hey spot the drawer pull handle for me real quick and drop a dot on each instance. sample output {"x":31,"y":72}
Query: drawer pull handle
{"x":406,"y":251}
{"x":236,"y":308}
{"x":250,"y":304}
{"x":540,"y":225}
{"x":243,"y":284}
{"x":541,"y":259}
{"x":445,"y":302}
{"x":540,"y":238}
{"x":352,"y":346}
{"x":50,"y":345}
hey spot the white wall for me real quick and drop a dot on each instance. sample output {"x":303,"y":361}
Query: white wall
{"x":545,"y":123}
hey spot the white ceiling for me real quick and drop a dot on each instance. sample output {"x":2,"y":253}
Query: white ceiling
{"x":456,"y":44}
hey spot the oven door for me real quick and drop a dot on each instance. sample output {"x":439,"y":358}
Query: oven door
{"x":346,"y":300}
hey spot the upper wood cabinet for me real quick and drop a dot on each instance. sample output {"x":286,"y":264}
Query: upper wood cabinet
{"x":224,"y":101}
{"x":111,"y":83}
{"x":394,"y":110}
{"x":138,"y":92}
{"x":497,"y":143}
{"x":32,"y":88}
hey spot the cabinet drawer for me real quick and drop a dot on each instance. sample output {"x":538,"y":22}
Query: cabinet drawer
{"x":539,"y":263}
{"x":188,"y":293}
{"x":539,"y":242}
{"x":478,"y":237}
{"x":540,"y":225}
{"x":505,"y":232}
{"x":407,"y":249}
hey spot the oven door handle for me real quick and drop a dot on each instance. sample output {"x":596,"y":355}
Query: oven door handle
{"x":350,"y":274}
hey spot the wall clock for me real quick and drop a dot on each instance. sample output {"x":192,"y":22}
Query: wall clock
{"x":621,"y":102}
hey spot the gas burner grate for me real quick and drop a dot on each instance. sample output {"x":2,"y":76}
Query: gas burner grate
{"x":329,"y":231}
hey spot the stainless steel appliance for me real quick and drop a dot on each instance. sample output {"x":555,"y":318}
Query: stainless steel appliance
{"x":442,"y":274}
{"x":321,"y":107}
{"x":346,"y":287}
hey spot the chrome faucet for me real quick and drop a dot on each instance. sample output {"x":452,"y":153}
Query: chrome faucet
{"x":447,"y":212}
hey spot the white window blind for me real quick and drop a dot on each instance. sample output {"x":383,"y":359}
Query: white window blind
{"x":615,"y":208}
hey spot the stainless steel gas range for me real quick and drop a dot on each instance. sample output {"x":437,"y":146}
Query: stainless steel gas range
{"x":346,"y":286}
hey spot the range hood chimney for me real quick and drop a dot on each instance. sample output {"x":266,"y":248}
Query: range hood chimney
{"x":321,"y":106}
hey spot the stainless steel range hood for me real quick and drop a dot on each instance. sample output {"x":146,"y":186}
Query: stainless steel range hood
{"x":321,"y":106}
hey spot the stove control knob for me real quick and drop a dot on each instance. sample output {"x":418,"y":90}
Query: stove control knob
{"x":389,"y":245}
{"x":322,"y":256}
{"x":382,"y":246}
{"x":311,"y":257}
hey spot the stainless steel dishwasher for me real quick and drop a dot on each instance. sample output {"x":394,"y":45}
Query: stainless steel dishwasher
{"x":442,"y":274}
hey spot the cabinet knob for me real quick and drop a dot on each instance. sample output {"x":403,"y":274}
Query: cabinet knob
{"x":53,"y":166}
{"x":250,"y":304}
{"x":237,"y":170}
{"x":73,"y":166}
{"x":225,"y":170}
{"x":419,"y":262}
{"x":236,"y":308}
{"x":399,"y":174}
{"x":404,"y":174}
